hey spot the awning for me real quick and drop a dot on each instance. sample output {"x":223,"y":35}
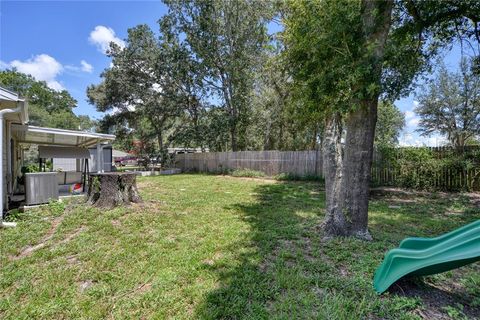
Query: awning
{"x":58,"y":137}
{"x":47,"y":152}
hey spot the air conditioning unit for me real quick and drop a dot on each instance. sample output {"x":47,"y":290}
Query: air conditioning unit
{"x":40,"y":187}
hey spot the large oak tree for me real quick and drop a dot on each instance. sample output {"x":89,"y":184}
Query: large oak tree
{"x":344,"y":56}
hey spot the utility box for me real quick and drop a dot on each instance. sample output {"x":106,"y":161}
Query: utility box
{"x":40,"y":187}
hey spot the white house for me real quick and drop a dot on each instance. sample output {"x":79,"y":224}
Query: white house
{"x":15,"y":134}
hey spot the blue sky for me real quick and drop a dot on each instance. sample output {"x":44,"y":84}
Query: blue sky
{"x":63,"y":42}
{"x":50,"y":39}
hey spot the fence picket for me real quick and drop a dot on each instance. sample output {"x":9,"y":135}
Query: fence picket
{"x":309,"y":163}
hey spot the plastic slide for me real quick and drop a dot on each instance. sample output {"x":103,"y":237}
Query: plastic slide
{"x":425,"y":256}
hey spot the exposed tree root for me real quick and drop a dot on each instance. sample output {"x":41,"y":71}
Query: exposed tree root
{"x":29,"y":250}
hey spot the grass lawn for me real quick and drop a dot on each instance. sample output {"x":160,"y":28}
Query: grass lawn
{"x":221,"y":247}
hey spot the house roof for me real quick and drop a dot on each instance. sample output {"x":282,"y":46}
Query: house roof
{"x":8,"y":95}
{"x":11,"y":100}
{"x":58,"y":137}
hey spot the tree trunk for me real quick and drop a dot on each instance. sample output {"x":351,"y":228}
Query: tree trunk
{"x":335,"y":223}
{"x":160,"y":140}
{"x":112,"y":189}
{"x":347,"y":175}
{"x":233,"y":136}
{"x":357,"y":164}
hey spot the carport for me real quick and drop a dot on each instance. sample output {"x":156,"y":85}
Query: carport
{"x":53,"y":143}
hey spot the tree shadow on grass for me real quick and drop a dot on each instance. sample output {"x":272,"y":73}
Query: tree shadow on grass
{"x":428,"y":215}
{"x":437,"y":300}
{"x":283,"y":269}
{"x":274,"y":254}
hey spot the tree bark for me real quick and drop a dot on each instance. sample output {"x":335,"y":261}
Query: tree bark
{"x":357,"y":163}
{"x":112,"y":189}
{"x":347,"y":173}
{"x":160,"y":140}
{"x":335,"y":223}
{"x":233,"y":136}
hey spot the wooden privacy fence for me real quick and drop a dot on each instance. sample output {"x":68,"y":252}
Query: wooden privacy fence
{"x":298,"y":163}
{"x":309,"y":163}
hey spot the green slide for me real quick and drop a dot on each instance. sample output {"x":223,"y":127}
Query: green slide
{"x":424,"y":256}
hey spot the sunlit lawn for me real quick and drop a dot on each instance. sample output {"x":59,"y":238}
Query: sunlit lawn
{"x":220,"y":247}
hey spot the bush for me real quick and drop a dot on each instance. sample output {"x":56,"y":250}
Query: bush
{"x":249,"y":173}
{"x":417,"y":168}
{"x":427,"y":169}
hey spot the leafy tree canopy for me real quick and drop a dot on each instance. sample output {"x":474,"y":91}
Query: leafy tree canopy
{"x":450,"y":104}
{"x":47,"y":107}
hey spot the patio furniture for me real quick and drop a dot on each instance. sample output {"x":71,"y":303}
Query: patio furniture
{"x":82,"y":155}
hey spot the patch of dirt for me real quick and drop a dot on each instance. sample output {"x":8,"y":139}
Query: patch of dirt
{"x":343,"y":271}
{"x":144,"y":288}
{"x":84,"y":285}
{"x":319,"y":292}
{"x":171,"y":239}
{"x":27,"y":251}
{"x":435,"y":298}
{"x":72,"y":259}
{"x":208,"y":262}
{"x":474,"y":198}
{"x":211,"y":261}
{"x":150,"y":204}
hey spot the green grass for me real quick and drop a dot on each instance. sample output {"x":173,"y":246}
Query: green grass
{"x":203,"y":246}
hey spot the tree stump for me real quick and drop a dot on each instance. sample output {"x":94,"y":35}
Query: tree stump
{"x":112,"y":189}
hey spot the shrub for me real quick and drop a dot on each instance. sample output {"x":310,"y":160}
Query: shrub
{"x":249,"y":173}
{"x":417,"y":168}
{"x":428,"y":169}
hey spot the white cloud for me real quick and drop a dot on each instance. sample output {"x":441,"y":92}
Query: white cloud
{"x":42,"y":67}
{"x":102,"y":36}
{"x":413,"y":122}
{"x":415,"y":140}
{"x":436,"y":141}
{"x":411,"y":117}
{"x":409,"y":114}
{"x":86,"y":67}
{"x":83,"y":67}
{"x":408,"y":140}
